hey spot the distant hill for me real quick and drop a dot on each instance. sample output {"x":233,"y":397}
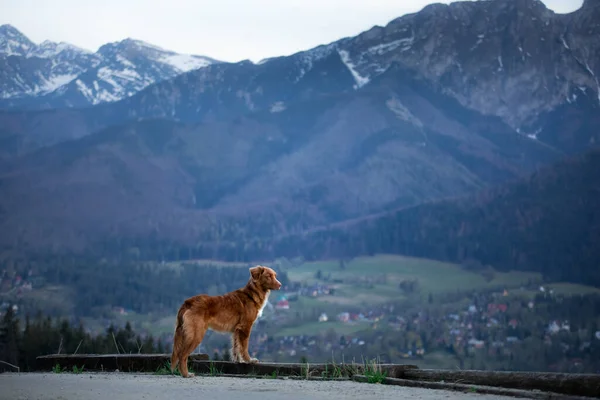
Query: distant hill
{"x":548,"y":222}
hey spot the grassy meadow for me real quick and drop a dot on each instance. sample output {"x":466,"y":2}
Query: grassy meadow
{"x":433,"y":277}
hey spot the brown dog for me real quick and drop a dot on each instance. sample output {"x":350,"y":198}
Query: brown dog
{"x":234,"y":312}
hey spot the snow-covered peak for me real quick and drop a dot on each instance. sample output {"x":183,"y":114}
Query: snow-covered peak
{"x":13,"y":42}
{"x":142,"y":44}
{"x":55,"y":70}
{"x":48,"y":49}
{"x":129,"y":52}
{"x":129,"y":44}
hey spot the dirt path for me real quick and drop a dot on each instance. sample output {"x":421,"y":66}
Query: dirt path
{"x":120,"y":386}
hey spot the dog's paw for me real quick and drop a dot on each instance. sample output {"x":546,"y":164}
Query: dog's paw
{"x":248,"y":361}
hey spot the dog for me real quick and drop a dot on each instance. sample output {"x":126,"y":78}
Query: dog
{"x":234,"y":312}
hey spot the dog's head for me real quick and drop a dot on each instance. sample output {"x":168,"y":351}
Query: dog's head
{"x":265,"y":277}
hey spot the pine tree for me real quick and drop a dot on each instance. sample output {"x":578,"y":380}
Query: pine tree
{"x":9,"y":337}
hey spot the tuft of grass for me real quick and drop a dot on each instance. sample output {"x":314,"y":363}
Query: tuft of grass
{"x":305,"y":368}
{"x":57,"y":369}
{"x":336,"y":370}
{"x":325,"y":372}
{"x":213,"y":370}
{"x":78,"y":370}
{"x":166,"y":370}
{"x":373,"y":371}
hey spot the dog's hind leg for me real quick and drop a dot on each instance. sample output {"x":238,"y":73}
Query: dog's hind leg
{"x":194,"y":338}
{"x":177,"y":339}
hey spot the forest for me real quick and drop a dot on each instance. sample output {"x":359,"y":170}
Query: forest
{"x":22,"y":341}
{"x":94,"y":287}
{"x":548,"y":222}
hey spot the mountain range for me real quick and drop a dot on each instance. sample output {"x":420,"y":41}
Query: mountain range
{"x":58,"y":75}
{"x":438,"y":104}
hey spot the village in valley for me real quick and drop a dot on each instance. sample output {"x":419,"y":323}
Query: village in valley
{"x":473,"y":329}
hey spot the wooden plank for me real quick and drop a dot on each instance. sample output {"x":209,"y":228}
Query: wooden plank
{"x":571,"y":384}
{"x":200,"y":363}
{"x":328,"y":370}
{"x":109,"y":362}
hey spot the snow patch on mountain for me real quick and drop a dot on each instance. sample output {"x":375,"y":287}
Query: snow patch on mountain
{"x":85,"y":91}
{"x":185,"y":62}
{"x":13,"y":42}
{"x":478,"y":42}
{"x":49,"y":49}
{"x":278,"y":106}
{"x":401,"y":44}
{"x":14,"y":48}
{"x":56,"y":81}
{"x":306,"y":59}
{"x":360,"y":80}
{"x":125,"y":61}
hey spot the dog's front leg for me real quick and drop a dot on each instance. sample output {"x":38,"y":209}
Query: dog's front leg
{"x":235,"y":355}
{"x":243,"y":337}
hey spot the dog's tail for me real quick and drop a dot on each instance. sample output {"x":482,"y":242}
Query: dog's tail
{"x":178,"y":338}
{"x":180,"y":314}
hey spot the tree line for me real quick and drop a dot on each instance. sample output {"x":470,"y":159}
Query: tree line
{"x":22,"y":341}
{"x":97,"y":286}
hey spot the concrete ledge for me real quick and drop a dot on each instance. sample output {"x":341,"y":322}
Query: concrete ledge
{"x":570,"y":384}
{"x":460,"y":387}
{"x":109,"y":362}
{"x":534,"y":384}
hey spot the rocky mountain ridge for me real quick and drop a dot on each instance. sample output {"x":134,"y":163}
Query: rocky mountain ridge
{"x":51,"y":75}
{"x":513,"y":59}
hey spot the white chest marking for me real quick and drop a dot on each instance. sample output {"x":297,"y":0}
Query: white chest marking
{"x":263,"y":305}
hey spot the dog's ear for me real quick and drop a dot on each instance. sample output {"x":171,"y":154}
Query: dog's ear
{"x":256,"y":271}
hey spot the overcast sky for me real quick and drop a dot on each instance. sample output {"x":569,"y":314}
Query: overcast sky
{"x":229,"y":30}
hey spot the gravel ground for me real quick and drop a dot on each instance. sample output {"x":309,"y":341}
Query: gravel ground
{"x":117,"y":386}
